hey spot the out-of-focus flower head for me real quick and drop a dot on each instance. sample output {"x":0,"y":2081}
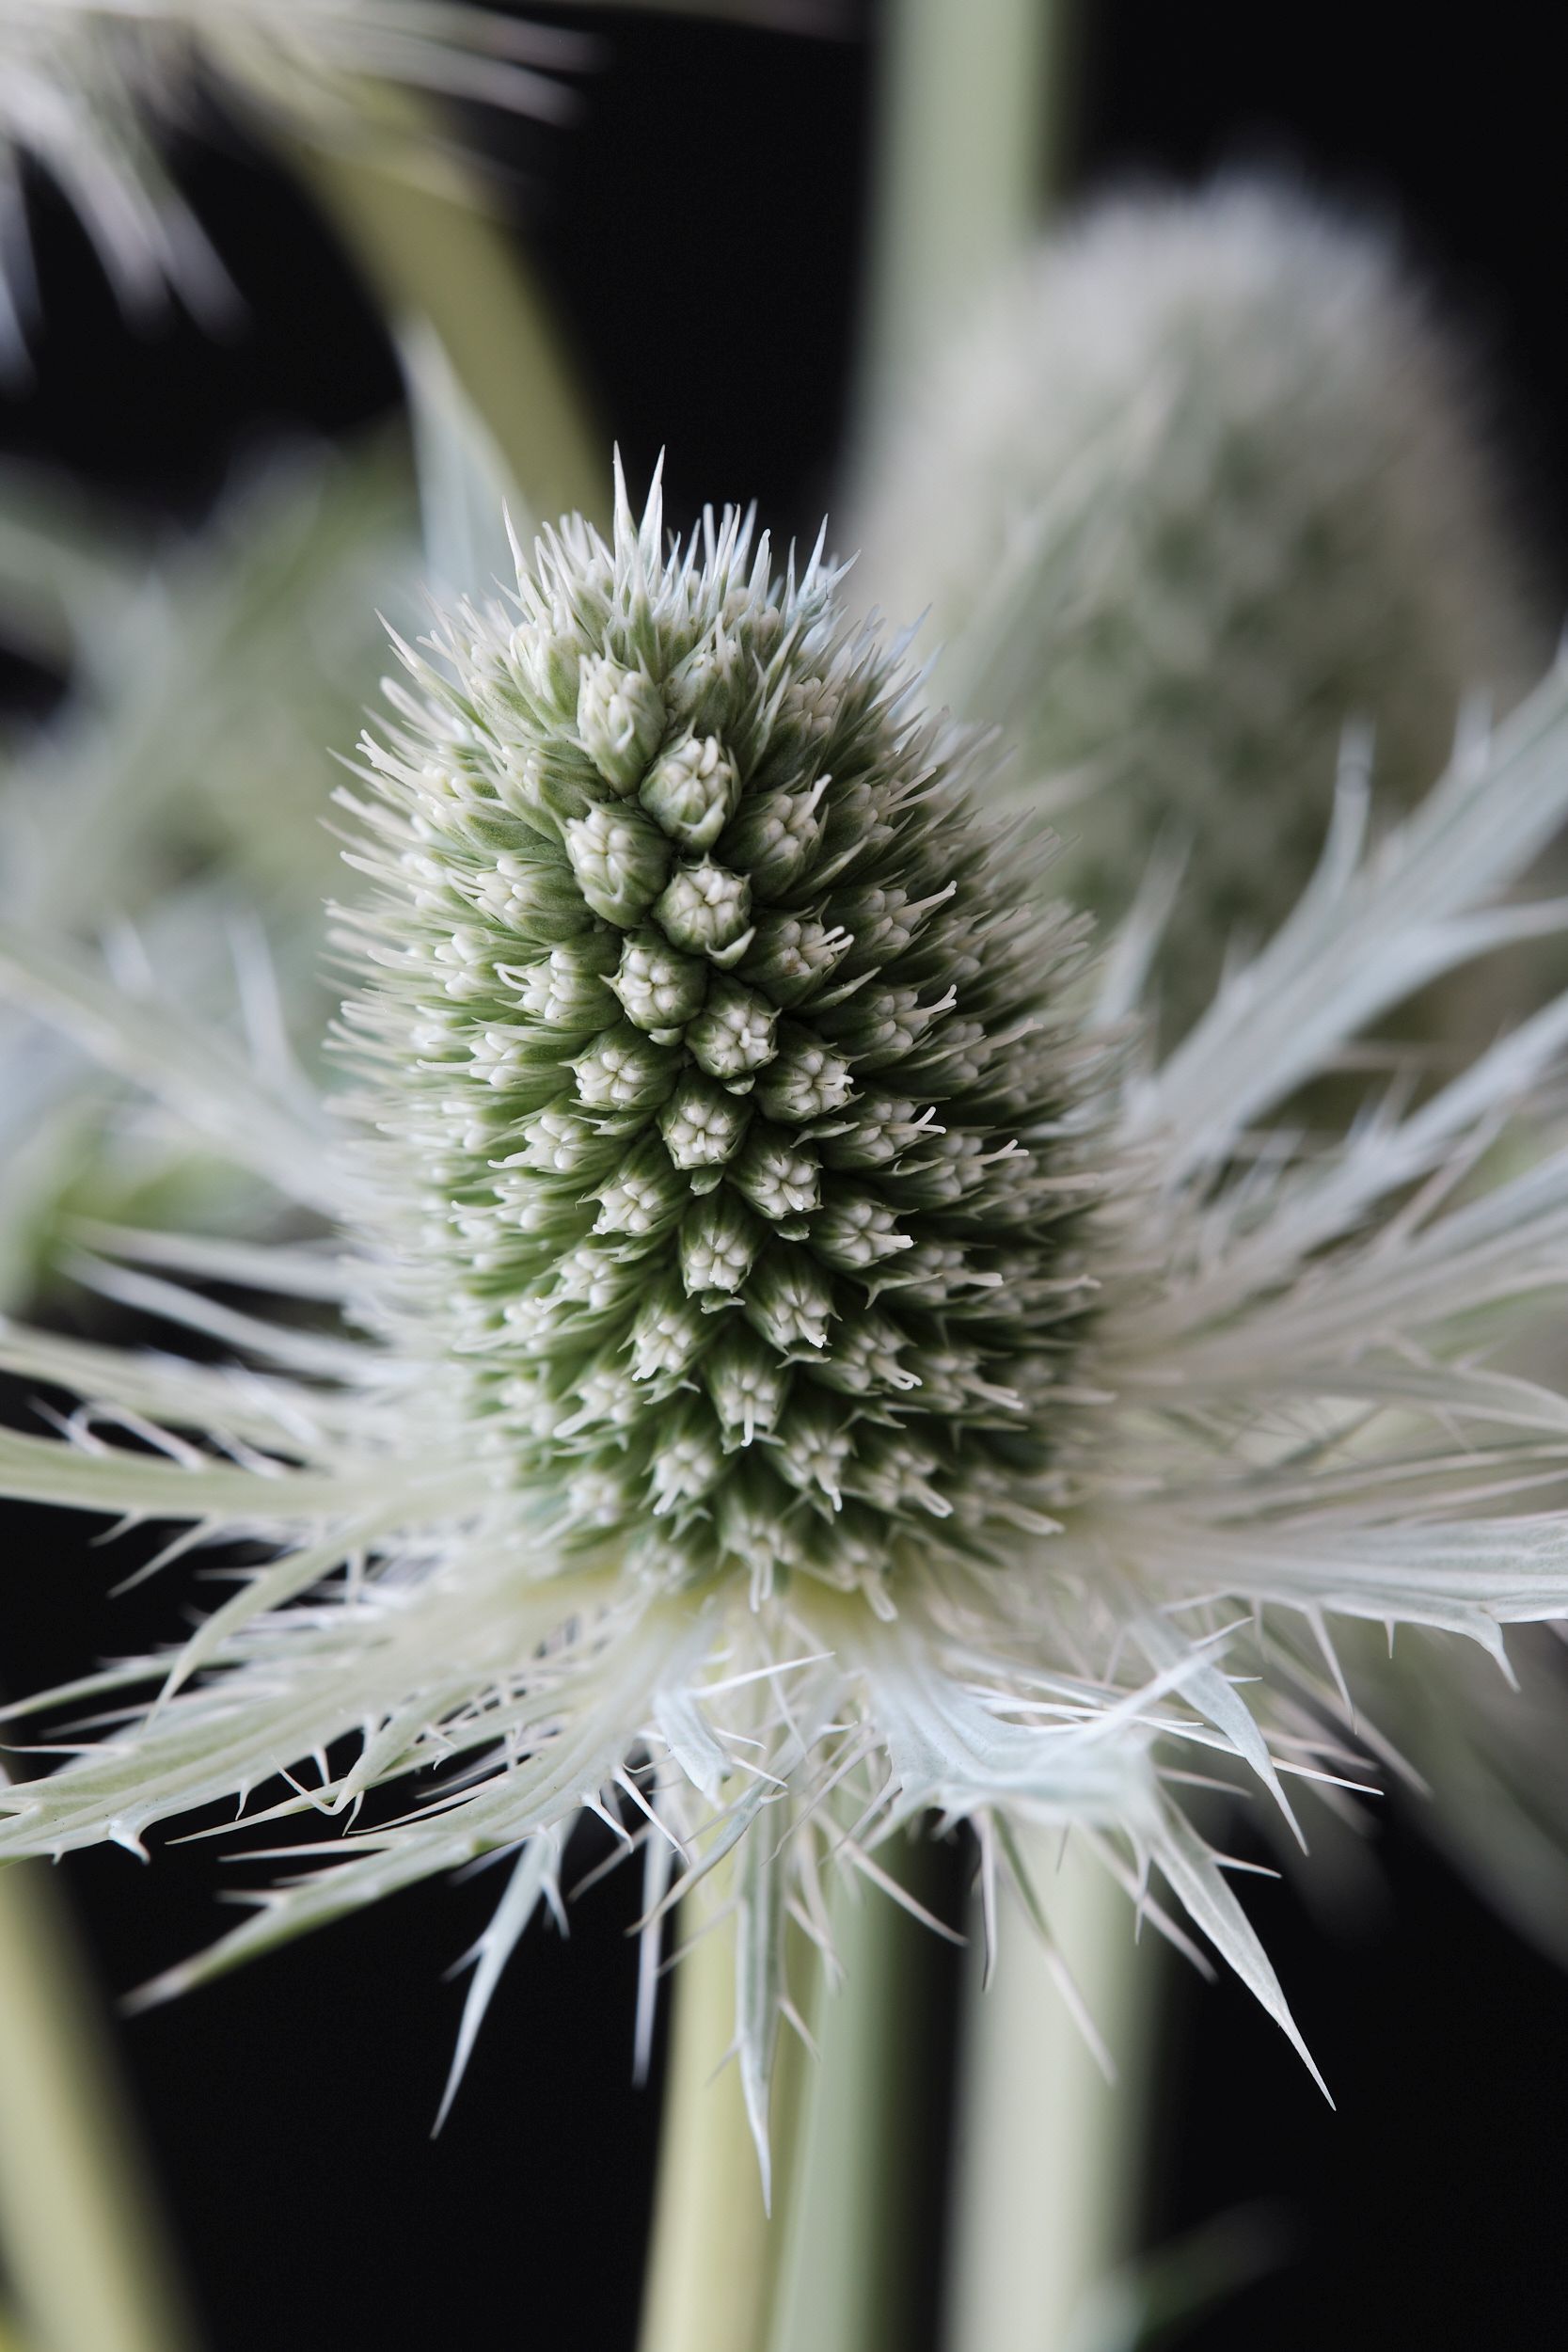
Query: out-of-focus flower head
{"x":1198,"y":484}
{"x":1203,"y":483}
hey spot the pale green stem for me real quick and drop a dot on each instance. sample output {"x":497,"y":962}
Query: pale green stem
{"x":970,"y":113}
{"x":83,"y":2252}
{"x":714,"y":2257}
{"x":423,"y":228}
{"x":1046,"y":2190}
{"x":844,"y":2270}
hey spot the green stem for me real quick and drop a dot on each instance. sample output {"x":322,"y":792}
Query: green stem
{"x":844,"y":2282}
{"x":715,"y":2259}
{"x":83,"y":2250}
{"x":1048,"y":2172}
{"x":971,"y":138}
{"x":424,"y":232}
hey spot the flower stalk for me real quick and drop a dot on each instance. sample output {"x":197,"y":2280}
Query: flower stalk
{"x":848,"y":2282}
{"x":1047,"y":2136}
{"x":82,"y":2243}
{"x":717,"y":2252}
{"x":972,"y":115}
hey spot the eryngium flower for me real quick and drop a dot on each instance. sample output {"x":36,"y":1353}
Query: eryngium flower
{"x":805,"y":1368}
{"x":1201,"y":482}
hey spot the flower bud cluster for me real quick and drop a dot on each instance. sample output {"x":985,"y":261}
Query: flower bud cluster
{"x":717,"y":1049}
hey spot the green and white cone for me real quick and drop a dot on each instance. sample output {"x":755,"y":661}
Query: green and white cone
{"x":712,"y":1020}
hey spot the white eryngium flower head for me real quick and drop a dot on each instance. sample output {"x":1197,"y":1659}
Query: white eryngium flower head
{"x":1201,"y":482}
{"x":806,"y":1368}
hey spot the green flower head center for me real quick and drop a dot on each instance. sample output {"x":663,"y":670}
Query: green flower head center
{"x":721,"y":1030}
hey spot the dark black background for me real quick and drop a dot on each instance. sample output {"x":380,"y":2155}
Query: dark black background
{"x":702,"y":230}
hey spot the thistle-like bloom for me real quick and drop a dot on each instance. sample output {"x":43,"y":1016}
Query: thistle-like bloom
{"x":805,"y":1368}
{"x":1200,"y":482}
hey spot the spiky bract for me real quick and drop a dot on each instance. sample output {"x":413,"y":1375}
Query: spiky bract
{"x":716,"y":1045}
{"x":89,"y":88}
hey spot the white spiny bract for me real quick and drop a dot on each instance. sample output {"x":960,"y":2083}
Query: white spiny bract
{"x":680,"y":1458}
{"x":88,"y":86}
{"x":1199,"y":485}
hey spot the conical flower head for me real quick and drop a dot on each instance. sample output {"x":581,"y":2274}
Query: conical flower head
{"x":717,"y":1046}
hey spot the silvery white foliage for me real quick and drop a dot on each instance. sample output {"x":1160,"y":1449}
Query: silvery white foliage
{"x":88,"y":88}
{"x":801,"y":1369}
{"x":1198,"y":484}
{"x":182,"y":773}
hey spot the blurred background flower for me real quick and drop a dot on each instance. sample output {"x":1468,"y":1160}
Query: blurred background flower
{"x":1195,"y":485}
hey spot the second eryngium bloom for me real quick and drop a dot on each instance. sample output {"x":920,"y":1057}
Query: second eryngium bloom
{"x":1200,"y":484}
